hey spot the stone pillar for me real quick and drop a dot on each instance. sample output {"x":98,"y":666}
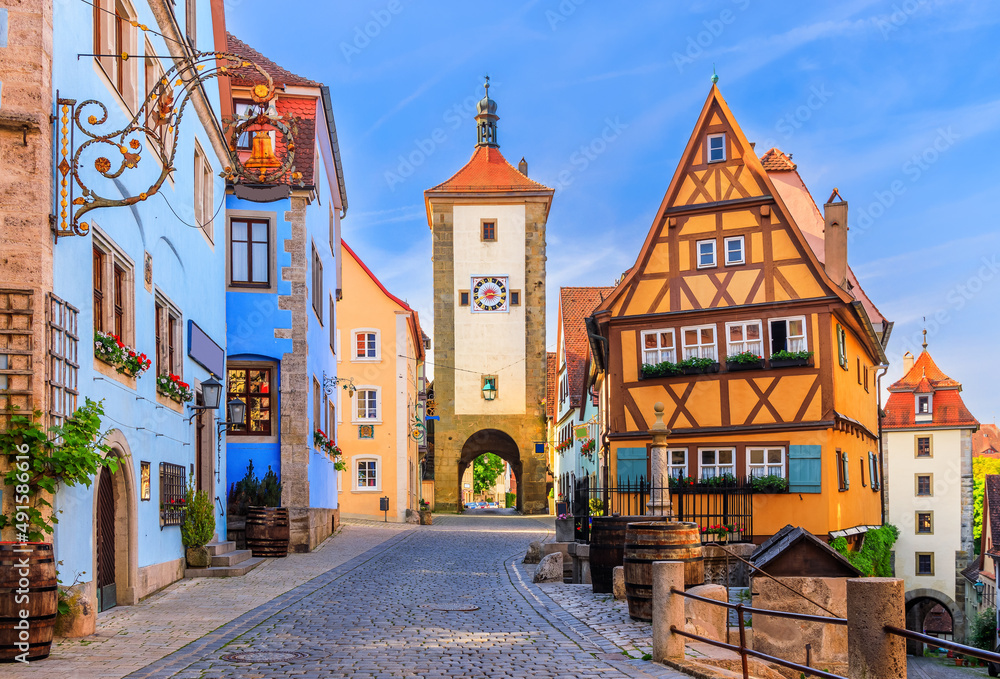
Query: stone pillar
{"x":872,"y":653}
{"x":668,"y":609}
{"x":659,"y":496}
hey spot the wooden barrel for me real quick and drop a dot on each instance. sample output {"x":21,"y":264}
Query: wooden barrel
{"x":30,"y":566}
{"x":607,"y":549}
{"x":650,"y":541}
{"x":267,"y":531}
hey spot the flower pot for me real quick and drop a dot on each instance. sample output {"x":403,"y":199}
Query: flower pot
{"x":789,"y":362}
{"x":198,"y":557}
{"x":691,"y":370}
{"x":565,"y":531}
{"x":42,"y":599}
{"x":425,"y":517}
{"x":733,"y":366}
{"x":552,"y":505}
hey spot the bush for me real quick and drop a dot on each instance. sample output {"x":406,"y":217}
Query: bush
{"x":511,"y":500}
{"x":983,"y":629}
{"x":771,"y":483}
{"x":596,"y":506}
{"x":198,"y":526}
{"x":874,"y":559}
{"x":664,"y":369}
{"x":253,"y":492}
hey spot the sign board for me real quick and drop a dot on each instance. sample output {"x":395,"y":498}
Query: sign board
{"x":205,"y":352}
{"x":383,"y":504}
{"x":562,"y":508}
{"x":582,"y":432}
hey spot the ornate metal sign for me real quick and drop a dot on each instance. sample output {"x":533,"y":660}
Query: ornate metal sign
{"x":113,"y":152}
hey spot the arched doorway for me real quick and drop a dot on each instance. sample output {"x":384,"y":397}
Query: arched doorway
{"x":115,"y":529}
{"x":500,"y":444}
{"x":926,"y":611}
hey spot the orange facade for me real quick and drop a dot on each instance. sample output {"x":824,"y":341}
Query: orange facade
{"x":739,"y":262}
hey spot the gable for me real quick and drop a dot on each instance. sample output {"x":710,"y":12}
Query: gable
{"x":714,"y":202}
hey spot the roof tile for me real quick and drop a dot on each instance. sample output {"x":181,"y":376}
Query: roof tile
{"x":551,"y":397}
{"x":986,"y":441}
{"x":250,"y":76}
{"x":488,"y":171}
{"x":776,"y":161}
{"x":575,"y":304}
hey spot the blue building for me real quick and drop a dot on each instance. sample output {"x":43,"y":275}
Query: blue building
{"x":146,"y":280}
{"x":283,"y":272}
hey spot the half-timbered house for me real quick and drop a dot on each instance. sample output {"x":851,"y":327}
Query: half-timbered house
{"x":743,"y":318}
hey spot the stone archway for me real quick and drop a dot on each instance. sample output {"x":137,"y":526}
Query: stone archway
{"x":500,"y":444}
{"x":919,"y":603}
{"x":126,"y":524}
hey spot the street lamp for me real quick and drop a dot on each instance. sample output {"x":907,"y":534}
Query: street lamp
{"x":211,"y":394}
{"x":237,"y":410}
{"x":979,"y":586}
{"x":489,"y":388}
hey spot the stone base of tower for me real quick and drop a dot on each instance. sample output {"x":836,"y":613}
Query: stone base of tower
{"x":460,"y":439}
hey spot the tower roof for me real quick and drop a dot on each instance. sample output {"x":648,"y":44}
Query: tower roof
{"x":487,"y":172}
{"x":925,"y":377}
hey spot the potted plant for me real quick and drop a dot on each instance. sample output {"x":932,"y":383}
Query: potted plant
{"x":123,"y":358}
{"x":426,"y":519}
{"x":770,"y":483}
{"x":698,"y":366}
{"x":198,"y":527}
{"x":564,"y":446}
{"x":326,"y":445}
{"x":664,"y":369}
{"x":39,"y":461}
{"x":552,"y":501}
{"x":746,"y":360}
{"x":564,"y":528}
{"x":173,"y":387}
{"x":681,"y":481}
{"x":790,"y":359}
{"x":588,"y":447}
{"x":718,"y":533}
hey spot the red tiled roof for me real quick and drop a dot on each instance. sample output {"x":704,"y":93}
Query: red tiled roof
{"x":947,"y":407}
{"x":924,"y":367}
{"x":575,"y":304}
{"x":250,"y":76}
{"x":776,"y":161}
{"x":986,"y":441}
{"x":488,"y":171}
{"x":551,"y":397}
{"x":992,"y":504}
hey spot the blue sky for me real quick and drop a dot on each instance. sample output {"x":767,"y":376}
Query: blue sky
{"x":895,"y":103}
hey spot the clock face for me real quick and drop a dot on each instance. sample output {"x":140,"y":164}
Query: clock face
{"x":489,"y":293}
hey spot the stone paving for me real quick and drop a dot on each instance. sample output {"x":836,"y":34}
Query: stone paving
{"x":392,"y":609}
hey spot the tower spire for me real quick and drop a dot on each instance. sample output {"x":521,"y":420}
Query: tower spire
{"x":486,"y":119}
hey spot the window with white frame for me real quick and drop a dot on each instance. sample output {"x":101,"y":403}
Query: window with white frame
{"x":699,"y":342}
{"x":788,"y":334}
{"x":204,"y":192}
{"x":716,"y":148}
{"x":744,"y":336}
{"x":716,"y":462}
{"x":706,"y":253}
{"x":658,"y":346}
{"x":766,"y":461}
{"x":366,"y":476}
{"x":734,"y":251}
{"x":366,"y":345}
{"x":677,"y":463}
{"x":244,"y":141}
{"x":366,"y":405}
{"x":924,"y":403}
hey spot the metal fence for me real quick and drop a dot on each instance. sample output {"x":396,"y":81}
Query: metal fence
{"x":723,"y":510}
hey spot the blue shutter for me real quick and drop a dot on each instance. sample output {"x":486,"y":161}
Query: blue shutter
{"x":805,"y":469}
{"x":631,"y":464}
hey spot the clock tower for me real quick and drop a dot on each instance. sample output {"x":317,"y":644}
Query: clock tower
{"x":488,"y":225}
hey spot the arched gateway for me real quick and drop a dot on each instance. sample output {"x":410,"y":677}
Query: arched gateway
{"x":488,"y":224}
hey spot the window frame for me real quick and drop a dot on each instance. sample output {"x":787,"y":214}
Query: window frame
{"x":708,"y":148}
{"x":355,"y":419}
{"x":355,"y":486}
{"x":716,"y":465}
{"x":169,"y":330}
{"x":483,"y":230}
{"x":714,"y":345}
{"x":240,"y":107}
{"x":843,"y":471}
{"x":715,"y":253}
{"x":745,"y":342}
{"x":113,"y":258}
{"x":659,"y":349}
{"x":464,"y":298}
{"x":316,"y":284}
{"x":767,"y":466}
{"x":842,"y":347}
{"x":269,"y":244}
{"x":916,"y":485}
{"x":272,"y":394}
{"x":725,"y":249}
{"x":378,"y":345}
{"x":917,"y":523}
{"x":916,"y":563}
{"x":787,"y":320}
{"x":923,"y":415}
{"x":333,"y":326}
{"x":874,"y":471}
{"x":930,"y":446}
{"x":114,"y":35}
{"x":673,"y":467}
{"x":515,"y":297}
{"x":204,"y":193}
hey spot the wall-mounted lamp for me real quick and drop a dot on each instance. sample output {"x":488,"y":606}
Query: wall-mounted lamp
{"x":489,"y":388}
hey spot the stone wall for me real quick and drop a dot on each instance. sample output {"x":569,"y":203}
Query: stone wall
{"x":786,"y":638}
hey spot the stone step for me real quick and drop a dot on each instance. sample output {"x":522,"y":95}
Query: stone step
{"x":231,"y":558}
{"x":217,"y":548}
{"x":224,"y":571}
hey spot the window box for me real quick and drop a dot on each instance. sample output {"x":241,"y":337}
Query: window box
{"x":769,"y":483}
{"x":698,"y":367}
{"x":172,"y":387}
{"x":123,"y":358}
{"x":664,"y":369}
{"x":746,"y":360}
{"x":789,"y":362}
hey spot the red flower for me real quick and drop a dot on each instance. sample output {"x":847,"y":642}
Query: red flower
{"x":184,"y":385}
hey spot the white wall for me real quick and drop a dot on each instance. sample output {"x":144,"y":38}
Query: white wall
{"x":489,"y":343}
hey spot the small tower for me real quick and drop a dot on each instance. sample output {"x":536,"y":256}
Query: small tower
{"x":486,"y":120}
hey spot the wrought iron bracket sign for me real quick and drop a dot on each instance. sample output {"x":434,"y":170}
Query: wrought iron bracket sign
{"x":82,"y":143}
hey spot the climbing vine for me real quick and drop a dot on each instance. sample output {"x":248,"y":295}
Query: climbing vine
{"x":874,"y":559}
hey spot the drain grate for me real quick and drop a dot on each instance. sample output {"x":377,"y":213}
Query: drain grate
{"x":460,"y":608}
{"x":264,"y":656}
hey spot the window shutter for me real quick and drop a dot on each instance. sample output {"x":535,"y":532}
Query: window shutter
{"x":873,"y":471}
{"x":842,"y":346}
{"x":805,"y":470}
{"x":844,"y":463}
{"x":631,"y":464}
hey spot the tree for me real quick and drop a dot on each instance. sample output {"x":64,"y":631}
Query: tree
{"x":485,"y":471}
{"x":981,"y":466}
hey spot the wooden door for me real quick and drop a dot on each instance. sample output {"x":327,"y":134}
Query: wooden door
{"x":106,"y":593}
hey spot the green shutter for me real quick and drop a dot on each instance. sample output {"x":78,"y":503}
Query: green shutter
{"x":845,"y":463}
{"x":842,"y":346}
{"x":805,"y":469}
{"x":631,"y":464}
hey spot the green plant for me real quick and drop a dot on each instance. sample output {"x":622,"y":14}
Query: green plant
{"x":744,"y":357}
{"x":198,"y":526}
{"x":696,"y":363}
{"x":325,"y":444}
{"x":588,"y":446}
{"x":719,"y":481}
{"x":424,"y":505}
{"x":552,"y":492}
{"x":125,"y":360}
{"x":983,"y":629}
{"x":173,"y":387}
{"x":873,"y":559}
{"x":485,"y":471}
{"x":510,"y":500}
{"x":791,"y":355}
{"x":664,"y":369}
{"x":596,"y":506}
{"x":681,"y":481}
{"x":770,"y":483}
{"x":39,"y":461}
{"x":253,"y":492}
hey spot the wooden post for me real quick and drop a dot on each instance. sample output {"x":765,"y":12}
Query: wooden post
{"x":872,"y":653}
{"x":668,"y":610}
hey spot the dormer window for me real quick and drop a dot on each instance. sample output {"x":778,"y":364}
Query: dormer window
{"x":924,"y":408}
{"x":716,"y":148}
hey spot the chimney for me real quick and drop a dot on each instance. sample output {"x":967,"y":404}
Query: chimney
{"x":522,"y":167}
{"x":835,"y":238}
{"x":907,"y":363}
